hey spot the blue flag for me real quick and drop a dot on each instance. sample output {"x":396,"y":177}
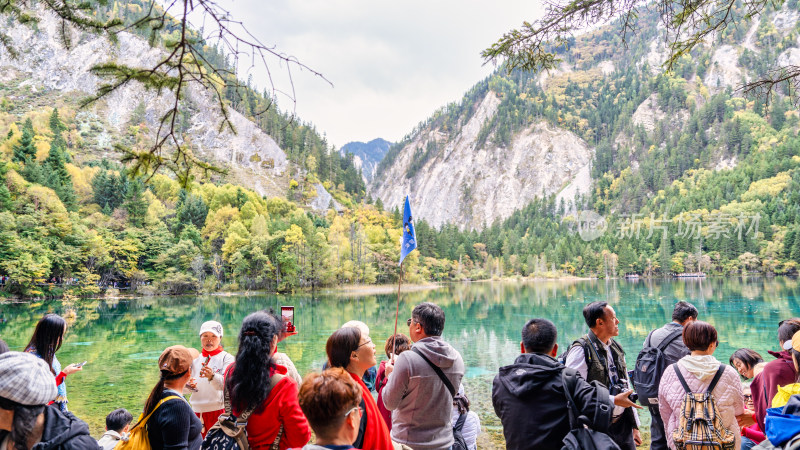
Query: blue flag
{"x":409,"y":235}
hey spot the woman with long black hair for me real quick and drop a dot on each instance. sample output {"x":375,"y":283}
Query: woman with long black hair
{"x":259,"y":386}
{"x":45,"y":342}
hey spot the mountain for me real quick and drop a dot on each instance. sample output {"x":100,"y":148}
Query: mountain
{"x":269,"y":149}
{"x":517,"y":137}
{"x":367,"y":155}
{"x":48,"y":71}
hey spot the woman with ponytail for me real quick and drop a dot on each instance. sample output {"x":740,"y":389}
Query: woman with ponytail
{"x":258,"y":385}
{"x":172,"y":425}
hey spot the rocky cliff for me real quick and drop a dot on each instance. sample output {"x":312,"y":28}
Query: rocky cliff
{"x":463,"y":171}
{"x":252,"y":158}
{"x":473,"y":185}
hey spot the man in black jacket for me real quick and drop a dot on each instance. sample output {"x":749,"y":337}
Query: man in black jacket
{"x":529,"y":397}
{"x":26,"y":386}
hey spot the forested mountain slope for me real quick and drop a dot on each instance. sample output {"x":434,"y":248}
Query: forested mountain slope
{"x":608,"y":108}
{"x":687,"y":174}
{"x":268,"y":148}
{"x":73,"y":219}
{"x":367,"y":155}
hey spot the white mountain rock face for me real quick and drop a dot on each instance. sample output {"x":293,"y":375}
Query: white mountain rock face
{"x":252,"y":157}
{"x":649,"y":113}
{"x":724,"y":70}
{"x":473,"y":186}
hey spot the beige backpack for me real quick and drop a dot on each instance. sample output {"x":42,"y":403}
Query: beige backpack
{"x":699,"y":425}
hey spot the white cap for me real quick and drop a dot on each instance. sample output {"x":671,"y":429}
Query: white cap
{"x":362,"y":327}
{"x":212,"y":326}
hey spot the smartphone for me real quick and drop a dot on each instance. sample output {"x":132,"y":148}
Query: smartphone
{"x":287,"y":314}
{"x":81,"y":364}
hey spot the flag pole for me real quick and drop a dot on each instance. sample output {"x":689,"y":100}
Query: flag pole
{"x":407,"y":245}
{"x":397,"y":314}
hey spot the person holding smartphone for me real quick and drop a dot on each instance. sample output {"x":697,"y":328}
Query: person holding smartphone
{"x":208,"y":370}
{"x":45,"y":342}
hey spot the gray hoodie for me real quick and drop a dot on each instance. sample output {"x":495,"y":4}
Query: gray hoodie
{"x":420,"y":403}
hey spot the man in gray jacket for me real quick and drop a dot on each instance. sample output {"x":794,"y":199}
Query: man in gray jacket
{"x":683,"y":313}
{"x":417,"y":394}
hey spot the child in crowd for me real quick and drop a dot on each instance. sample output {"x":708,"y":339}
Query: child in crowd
{"x":330,"y":401}
{"x":396,"y":344}
{"x":470,"y":426}
{"x":117,"y":424}
{"x":208,"y":369}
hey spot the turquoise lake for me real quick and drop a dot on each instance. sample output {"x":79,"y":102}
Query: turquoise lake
{"x":122,"y":339}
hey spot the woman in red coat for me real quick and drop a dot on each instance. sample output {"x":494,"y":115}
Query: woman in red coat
{"x":256,"y":383}
{"x":349,"y":349}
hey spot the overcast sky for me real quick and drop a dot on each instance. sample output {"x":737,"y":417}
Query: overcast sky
{"x":392,"y":64}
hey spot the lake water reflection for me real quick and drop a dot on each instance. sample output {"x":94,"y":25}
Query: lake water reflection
{"x":122,"y":339}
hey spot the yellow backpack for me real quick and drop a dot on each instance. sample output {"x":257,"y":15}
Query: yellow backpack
{"x":138,"y":439}
{"x":784,"y":394}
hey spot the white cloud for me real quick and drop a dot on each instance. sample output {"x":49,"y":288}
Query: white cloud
{"x":392,"y":63}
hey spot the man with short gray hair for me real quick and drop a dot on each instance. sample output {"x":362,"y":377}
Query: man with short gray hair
{"x":421,"y":384}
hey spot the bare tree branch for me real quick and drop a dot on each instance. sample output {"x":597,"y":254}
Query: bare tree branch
{"x":687,"y":23}
{"x":182,"y":64}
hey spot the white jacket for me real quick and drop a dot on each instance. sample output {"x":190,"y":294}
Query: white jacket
{"x":209,"y":397}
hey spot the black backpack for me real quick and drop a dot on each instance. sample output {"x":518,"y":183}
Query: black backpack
{"x":582,"y":435}
{"x":458,"y":438}
{"x":650,"y":365}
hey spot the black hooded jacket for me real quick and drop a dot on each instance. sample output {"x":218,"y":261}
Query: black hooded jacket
{"x":528,"y":396}
{"x":62,"y":431}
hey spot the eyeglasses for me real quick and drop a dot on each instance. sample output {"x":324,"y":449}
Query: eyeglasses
{"x":368,"y":341}
{"x":408,"y":322}
{"x":748,"y":397}
{"x":356,"y":408}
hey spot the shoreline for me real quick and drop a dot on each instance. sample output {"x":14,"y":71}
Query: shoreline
{"x":378,"y":289}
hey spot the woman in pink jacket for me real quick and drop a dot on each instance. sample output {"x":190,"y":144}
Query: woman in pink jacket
{"x":698,"y":369}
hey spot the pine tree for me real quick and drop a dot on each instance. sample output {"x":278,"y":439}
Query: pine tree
{"x":788,"y":242}
{"x":5,"y":195}
{"x":33,"y":172}
{"x":109,"y":189}
{"x":135,"y":204}
{"x":57,"y":176}
{"x":664,"y":253}
{"x":5,"y":198}
{"x":193,"y":210}
{"x":56,"y":126}
{"x":777,"y":115}
{"x":796,"y":251}
{"x":25,"y":151}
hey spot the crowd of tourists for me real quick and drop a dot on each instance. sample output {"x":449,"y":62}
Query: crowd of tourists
{"x":415,"y":398}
